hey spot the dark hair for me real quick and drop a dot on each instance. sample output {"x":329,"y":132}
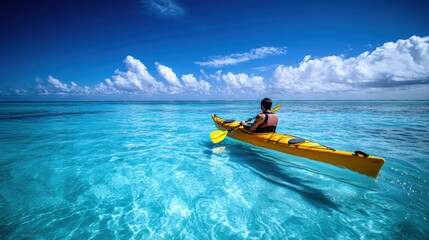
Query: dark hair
{"x":267,"y":103}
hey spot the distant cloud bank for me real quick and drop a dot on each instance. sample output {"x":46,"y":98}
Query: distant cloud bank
{"x":137,"y":80}
{"x":393,"y":65}
{"x":232,"y":59}
{"x":405,"y":62}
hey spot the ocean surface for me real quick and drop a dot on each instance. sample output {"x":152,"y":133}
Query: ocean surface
{"x":148,"y":170}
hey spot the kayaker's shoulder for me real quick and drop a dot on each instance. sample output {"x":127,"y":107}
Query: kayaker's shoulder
{"x":260,"y":116}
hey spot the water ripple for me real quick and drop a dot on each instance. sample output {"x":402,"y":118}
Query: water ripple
{"x":147,"y":170}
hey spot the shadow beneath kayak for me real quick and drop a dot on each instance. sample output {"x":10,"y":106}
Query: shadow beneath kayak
{"x":271,"y":171}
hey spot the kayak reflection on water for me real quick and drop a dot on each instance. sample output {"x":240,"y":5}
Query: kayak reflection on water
{"x":266,"y":121}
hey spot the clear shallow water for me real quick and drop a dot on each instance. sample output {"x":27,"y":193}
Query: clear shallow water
{"x":139,"y":170}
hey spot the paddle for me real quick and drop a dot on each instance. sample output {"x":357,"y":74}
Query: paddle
{"x":219,"y":135}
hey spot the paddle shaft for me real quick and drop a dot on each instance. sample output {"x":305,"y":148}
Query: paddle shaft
{"x":232,"y":129}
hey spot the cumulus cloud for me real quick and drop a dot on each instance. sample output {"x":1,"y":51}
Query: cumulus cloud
{"x":20,"y":92}
{"x":135,"y":79}
{"x":405,"y":62}
{"x":193,"y":84}
{"x":243,"y":83}
{"x":168,"y":74}
{"x":54,"y":87}
{"x":164,"y":8}
{"x":58,"y":84}
{"x":232,"y":59}
{"x":393,"y":65}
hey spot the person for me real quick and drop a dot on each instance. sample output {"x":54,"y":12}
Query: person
{"x":265,"y":121}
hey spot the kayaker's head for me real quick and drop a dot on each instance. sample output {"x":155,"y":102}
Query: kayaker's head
{"x":266,"y":104}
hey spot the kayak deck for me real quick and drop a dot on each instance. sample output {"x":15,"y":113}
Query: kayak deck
{"x":358,"y":162}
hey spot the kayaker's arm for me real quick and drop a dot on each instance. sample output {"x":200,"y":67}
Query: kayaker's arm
{"x":259,"y":120}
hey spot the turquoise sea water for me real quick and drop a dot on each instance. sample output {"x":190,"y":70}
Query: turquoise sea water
{"x":140,"y":170}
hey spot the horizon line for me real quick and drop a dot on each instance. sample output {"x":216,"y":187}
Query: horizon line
{"x":224,"y":100}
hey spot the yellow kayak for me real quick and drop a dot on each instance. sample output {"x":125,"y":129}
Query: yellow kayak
{"x":358,"y":161}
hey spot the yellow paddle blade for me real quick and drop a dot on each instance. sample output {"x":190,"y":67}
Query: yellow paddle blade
{"x":277,"y":108}
{"x":218,"y":135}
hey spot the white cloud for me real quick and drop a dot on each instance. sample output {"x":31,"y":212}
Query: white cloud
{"x":405,"y":62}
{"x":266,"y":68}
{"x":55,"y":87}
{"x":78,"y":90}
{"x":20,"y":91}
{"x":168,"y":74}
{"x":103,"y":89}
{"x":217,"y":76}
{"x":402,"y":65}
{"x":243,"y":83}
{"x":58,"y":84}
{"x":191,"y":82}
{"x":40,"y":89}
{"x":135,"y":80}
{"x":164,"y":8}
{"x":232,"y":59}
{"x":306,"y":58}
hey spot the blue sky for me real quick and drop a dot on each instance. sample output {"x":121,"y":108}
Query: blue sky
{"x":177,"y":50}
